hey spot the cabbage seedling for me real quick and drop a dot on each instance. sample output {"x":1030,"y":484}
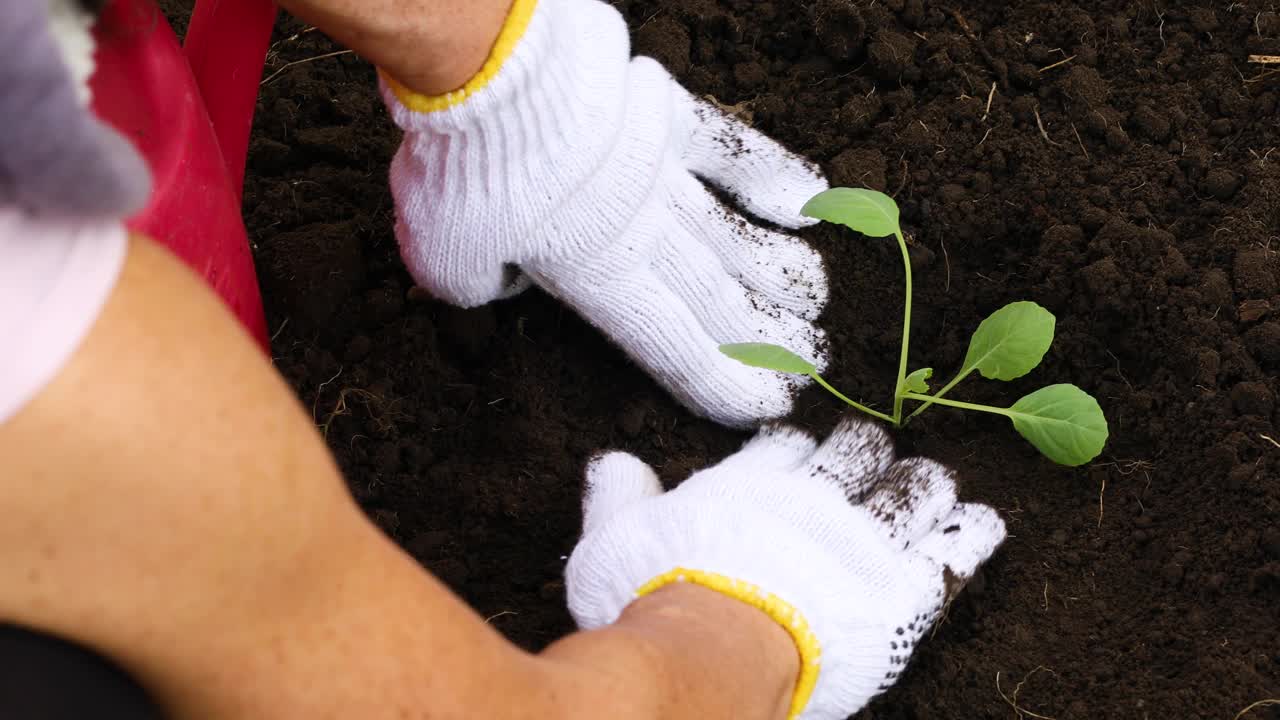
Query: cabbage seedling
{"x":1062,"y":421}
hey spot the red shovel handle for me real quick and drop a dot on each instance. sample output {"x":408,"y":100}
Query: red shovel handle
{"x":190,"y":119}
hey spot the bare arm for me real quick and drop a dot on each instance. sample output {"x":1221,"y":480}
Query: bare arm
{"x":168,"y":503}
{"x":431,"y":46}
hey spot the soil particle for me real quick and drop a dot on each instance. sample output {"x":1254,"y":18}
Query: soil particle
{"x":1263,"y":342}
{"x":749,"y":75}
{"x":631,"y":422}
{"x":1085,"y":86}
{"x":667,"y":41}
{"x":1253,"y":310}
{"x":1253,"y":398}
{"x":1271,"y":542}
{"x":470,"y":331}
{"x":1221,"y":183}
{"x":840,"y":29}
{"x":297,"y":270}
{"x":1116,"y":137}
{"x":358,"y":348}
{"x":859,"y":167}
{"x":1215,"y":289}
{"x":1154,"y":125}
{"x":1175,"y":264}
{"x":860,"y":112}
{"x":1102,"y":278}
{"x":892,"y":55}
{"x":1203,"y":19}
{"x":1254,"y":274}
{"x":1268,"y":24}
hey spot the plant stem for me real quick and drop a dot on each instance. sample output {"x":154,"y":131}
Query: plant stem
{"x":906,"y":331}
{"x":934,"y":397}
{"x":858,"y":406}
{"x":957,"y":404}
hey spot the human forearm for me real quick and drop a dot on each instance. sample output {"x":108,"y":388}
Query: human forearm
{"x":430,"y":46}
{"x":389,"y":641}
{"x":227,"y":568}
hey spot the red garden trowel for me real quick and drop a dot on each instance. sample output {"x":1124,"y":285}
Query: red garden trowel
{"x":188,"y":109}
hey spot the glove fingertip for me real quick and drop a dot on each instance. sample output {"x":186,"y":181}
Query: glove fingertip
{"x":986,"y":522}
{"x":914,"y":497}
{"x":613,"y":480}
{"x":776,"y":446}
{"x":612,"y":463}
{"x":763,"y":176}
{"x":858,"y":438}
{"x":777,"y":191}
{"x":803,"y":181}
{"x":965,"y":539}
{"x":779,"y":433}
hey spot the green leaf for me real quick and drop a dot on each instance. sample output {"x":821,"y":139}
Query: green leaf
{"x":1011,"y":341}
{"x":915,"y":382}
{"x":769,"y":357}
{"x":1063,"y":422}
{"x":869,"y":212}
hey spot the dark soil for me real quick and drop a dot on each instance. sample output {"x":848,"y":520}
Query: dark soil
{"x":1124,"y":174}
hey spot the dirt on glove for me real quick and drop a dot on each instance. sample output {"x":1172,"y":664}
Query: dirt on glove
{"x":1116,"y":162}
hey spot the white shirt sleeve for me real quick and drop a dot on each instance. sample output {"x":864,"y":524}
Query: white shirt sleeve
{"x":55,"y":277}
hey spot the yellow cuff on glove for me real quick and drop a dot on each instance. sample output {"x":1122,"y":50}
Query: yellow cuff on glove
{"x":512,"y":31}
{"x":782,"y":612}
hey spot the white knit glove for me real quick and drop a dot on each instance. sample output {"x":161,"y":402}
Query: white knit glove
{"x":854,"y":553}
{"x":572,"y":162}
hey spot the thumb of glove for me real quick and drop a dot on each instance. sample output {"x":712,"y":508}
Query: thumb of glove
{"x":615,"y":480}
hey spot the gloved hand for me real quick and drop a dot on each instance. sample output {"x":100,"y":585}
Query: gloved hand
{"x":572,"y":162}
{"x":56,"y":159}
{"x":853,"y":552}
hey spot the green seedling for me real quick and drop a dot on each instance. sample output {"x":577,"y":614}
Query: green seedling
{"x":1062,"y":421}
